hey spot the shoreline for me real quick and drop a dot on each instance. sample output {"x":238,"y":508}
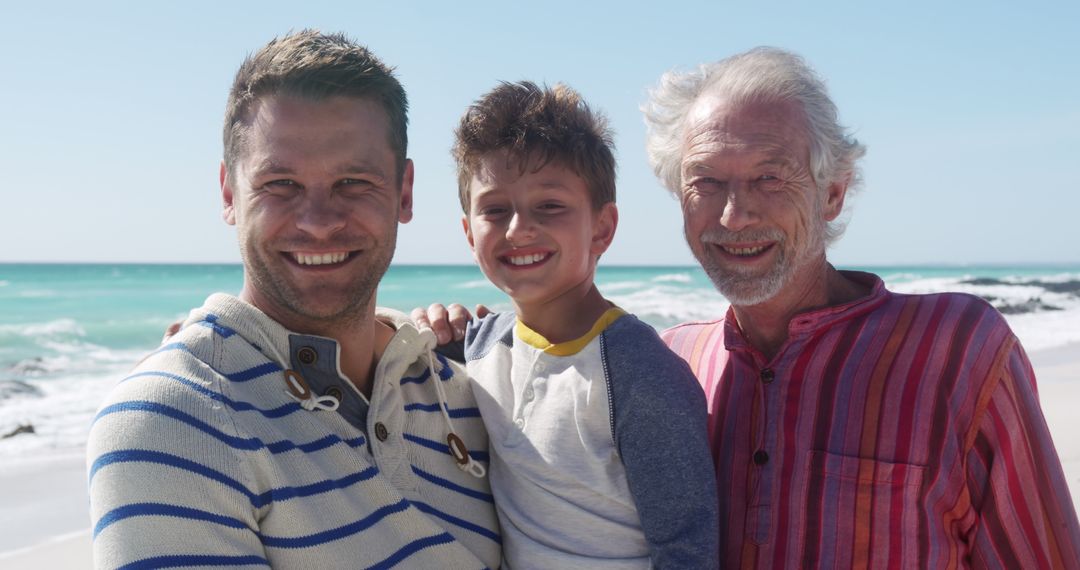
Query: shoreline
{"x":44,"y":521}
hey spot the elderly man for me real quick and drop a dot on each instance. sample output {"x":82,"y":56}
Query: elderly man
{"x":296,"y":426}
{"x":852,"y":427}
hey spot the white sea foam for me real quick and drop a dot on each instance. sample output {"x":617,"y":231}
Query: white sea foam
{"x":4,"y":283}
{"x":50,"y":328}
{"x":475,"y":284}
{"x":899,"y":277}
{"x":664,"y":305}
{"x":61,"y":416}
{"x":620,"y":286}
{"x":1039,"y":329}
{"x":675,"y":277}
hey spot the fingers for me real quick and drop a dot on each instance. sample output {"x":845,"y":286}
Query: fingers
{"x":482,"y":311}
{"x":435,"y":318}
{"x":459,"y":317}
{"x":419,"y":318}
{"x":446,"y":321}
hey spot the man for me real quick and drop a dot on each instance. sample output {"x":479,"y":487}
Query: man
{"x":851,"y":427}
{"x":297,"y":426}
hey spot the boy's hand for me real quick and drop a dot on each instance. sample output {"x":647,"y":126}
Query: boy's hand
{"x":447,"y":322}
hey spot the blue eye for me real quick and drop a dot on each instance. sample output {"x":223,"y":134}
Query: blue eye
{"x":768,"y":182}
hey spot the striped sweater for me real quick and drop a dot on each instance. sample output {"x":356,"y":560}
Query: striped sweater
{"x":896,"y":431}
{"x":201,"y":457}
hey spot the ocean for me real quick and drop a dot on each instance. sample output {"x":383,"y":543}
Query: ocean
{"x":68,"y":333}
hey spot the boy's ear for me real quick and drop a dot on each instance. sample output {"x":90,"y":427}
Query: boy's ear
{"x":228,"y":213}
{"x":468,"y":232}
{"x":607,"y":219}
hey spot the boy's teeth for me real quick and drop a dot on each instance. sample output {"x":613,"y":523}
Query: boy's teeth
{"x":745,"y":250}
{"x":320,"y":258}
{"x":526,"y":259}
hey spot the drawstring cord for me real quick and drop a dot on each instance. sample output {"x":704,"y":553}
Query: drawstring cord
{"x":465,"y":462}
{"x":298,"y":390}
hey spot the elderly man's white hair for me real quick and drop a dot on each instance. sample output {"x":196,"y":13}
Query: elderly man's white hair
{"x":761,"y":74}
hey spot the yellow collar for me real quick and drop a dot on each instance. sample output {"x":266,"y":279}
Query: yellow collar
{"x":570,"y":347}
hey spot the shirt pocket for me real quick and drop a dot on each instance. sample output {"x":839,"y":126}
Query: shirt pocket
{"x":861,"y":513}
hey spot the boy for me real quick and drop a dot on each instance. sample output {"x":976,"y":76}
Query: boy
{"x":599,"y":453}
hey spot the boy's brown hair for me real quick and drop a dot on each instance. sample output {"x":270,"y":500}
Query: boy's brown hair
{"x":537,"y":126}
{"x":314,"y":66}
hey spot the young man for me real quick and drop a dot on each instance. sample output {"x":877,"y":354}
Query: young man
{"x":297,"y":426}
{"x":599,"y":456}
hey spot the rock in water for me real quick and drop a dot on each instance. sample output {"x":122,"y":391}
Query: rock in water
{"x":27,"y":428}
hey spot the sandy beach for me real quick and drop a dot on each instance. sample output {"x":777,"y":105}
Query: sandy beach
{"x":43,"y":501}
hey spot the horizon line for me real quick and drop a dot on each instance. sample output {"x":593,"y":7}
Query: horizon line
{"x":1032,"y":264}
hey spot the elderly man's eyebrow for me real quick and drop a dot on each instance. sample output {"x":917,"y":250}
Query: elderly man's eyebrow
{"x":782,"y":159}
{"x":696,"y":166}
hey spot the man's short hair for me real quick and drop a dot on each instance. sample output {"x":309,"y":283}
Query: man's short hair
{"x":314,"y":66}
{"x":762,"y":74}
{"x":537,"y":126}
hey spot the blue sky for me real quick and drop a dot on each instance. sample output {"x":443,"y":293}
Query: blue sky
{"x":110,"y":116}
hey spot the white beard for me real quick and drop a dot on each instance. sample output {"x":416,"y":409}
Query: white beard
{"x":747,"y":288}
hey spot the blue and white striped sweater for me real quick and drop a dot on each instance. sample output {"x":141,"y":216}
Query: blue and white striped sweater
{"x":201,"y":458}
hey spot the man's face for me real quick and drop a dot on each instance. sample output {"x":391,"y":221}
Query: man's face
{"x":316,"y":202}
{"x":753,"y":214}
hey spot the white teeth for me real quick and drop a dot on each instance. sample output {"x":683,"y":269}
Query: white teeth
{"x":744,"y":250}
{"x":526,"y":259}
{"x":320,"y":259}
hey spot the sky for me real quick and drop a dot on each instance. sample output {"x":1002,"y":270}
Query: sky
{"x":110,"y":116}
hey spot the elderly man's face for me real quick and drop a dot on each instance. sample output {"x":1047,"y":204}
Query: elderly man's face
{"x":753,"y":215}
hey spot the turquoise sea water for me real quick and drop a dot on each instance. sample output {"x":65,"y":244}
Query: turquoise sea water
{"x":69,"y":332}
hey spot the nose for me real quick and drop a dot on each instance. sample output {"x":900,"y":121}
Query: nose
{"x":521,"y":229}
{"x":739,"y":210}
{"x":319,"y":215}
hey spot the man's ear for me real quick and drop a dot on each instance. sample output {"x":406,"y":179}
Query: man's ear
{"x":607,"y":219}
{"x":405,"y":206}
{"x":228,"y":212}
{"x":834,"y":199}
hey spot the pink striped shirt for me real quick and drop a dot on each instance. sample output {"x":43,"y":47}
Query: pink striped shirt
{"x":896,"y":431}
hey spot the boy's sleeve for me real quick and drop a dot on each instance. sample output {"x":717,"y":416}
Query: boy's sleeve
{"x":660,"y":418}
{"x":454,"y":350}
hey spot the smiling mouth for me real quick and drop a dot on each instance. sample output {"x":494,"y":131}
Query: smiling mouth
{"x":331,"y":258}
{"x":524,"y":260}
{"x":745,"y":252}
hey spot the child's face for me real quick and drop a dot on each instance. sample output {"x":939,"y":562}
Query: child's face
{"x":535,"y":235}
